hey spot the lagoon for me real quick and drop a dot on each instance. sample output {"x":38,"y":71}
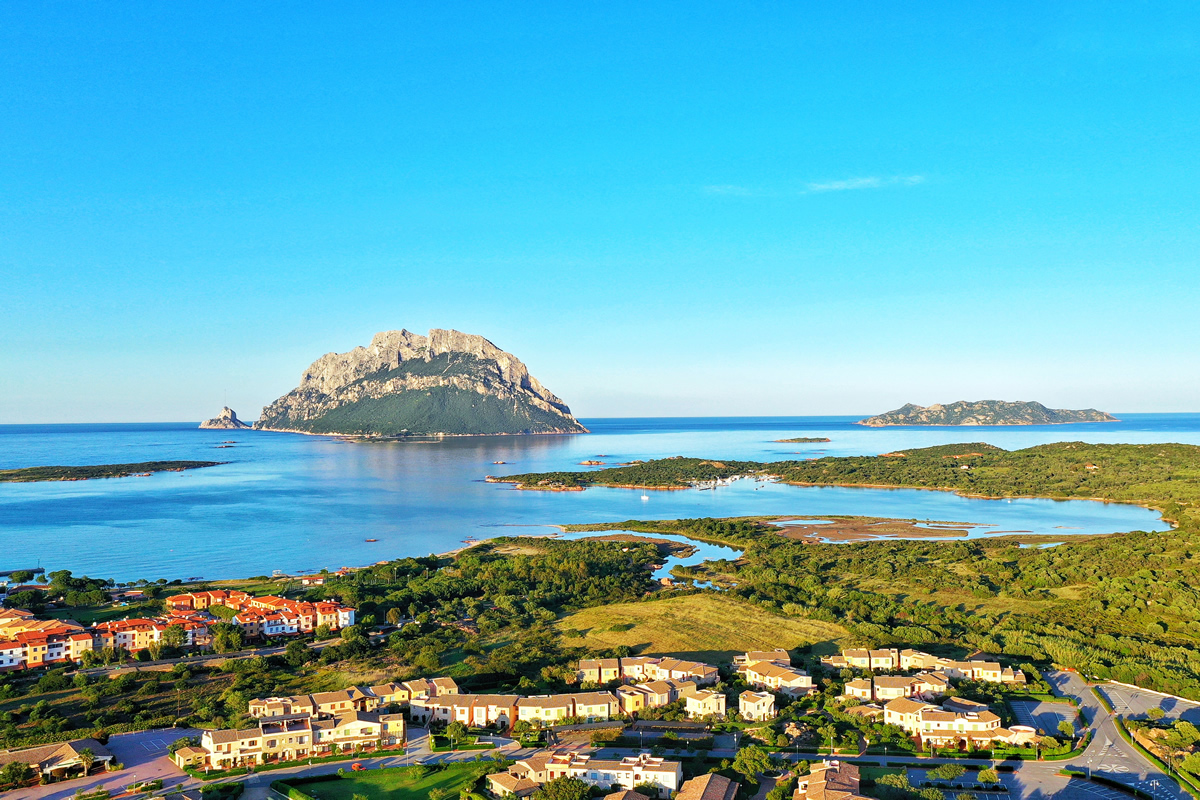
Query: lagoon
{"x":296,"y":503}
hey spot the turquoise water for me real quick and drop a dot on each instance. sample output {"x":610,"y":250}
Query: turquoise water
{"x":293,"y":503}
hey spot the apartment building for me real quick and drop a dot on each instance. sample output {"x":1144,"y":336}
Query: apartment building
{"x":883,"y":688}
{"x":628,"y":772}
{"x":268,"y":615}
{"x":756,"y":706}
{"x":605,"y":670}
{"x":965,"y":725}
{"x":295,"y":736}
{"x":777,"y":656}
{"x":652,"y":694}
{"x":776,"y":678}
{"x":356,"y":698}
{"x":977,"y":668}
{"x":478,"y":710}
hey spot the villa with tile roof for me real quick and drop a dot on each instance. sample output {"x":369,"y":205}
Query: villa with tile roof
{"x":830,"y":780}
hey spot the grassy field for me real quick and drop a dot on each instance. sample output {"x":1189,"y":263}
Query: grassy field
{"x":404,"y":783}
{"x":703,"y":626}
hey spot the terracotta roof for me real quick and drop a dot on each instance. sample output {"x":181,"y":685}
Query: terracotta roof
{"x":708,"y":787}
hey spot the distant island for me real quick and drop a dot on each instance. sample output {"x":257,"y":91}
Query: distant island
{"x":403,"y":384}
{"x":985,"y":412}
{"x":32,"y":474}
{"x":803,"y":440}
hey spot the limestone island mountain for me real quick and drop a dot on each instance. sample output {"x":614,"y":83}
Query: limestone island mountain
{"x":985,"y":412}
{"x":404,"y":384}
{"x":226,"y":420}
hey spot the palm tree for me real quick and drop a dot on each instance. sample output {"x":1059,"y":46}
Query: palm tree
{"x":86,"y":759}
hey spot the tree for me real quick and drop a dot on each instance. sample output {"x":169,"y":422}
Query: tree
{"x":965,"y":796}
{"x":16,"y":773}
{"x":750,"y":761}
{"x":563,"y":788}
{"x":174,"y":636}
{"x":457,"y":731}
{"x":364,"y":797}
{"x":86,"y":759}
{"x":947,"y":772}
{"x":1067,"y":729}
{"x":21,"y":576}
{"x":227,"y":637}
{"x":323,"y":632}
{"x":988,"y":775}
{"x":1155,"y":713}
{"x":296,"y":653}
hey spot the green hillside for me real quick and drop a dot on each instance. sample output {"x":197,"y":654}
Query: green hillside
{"x":441,"y":409}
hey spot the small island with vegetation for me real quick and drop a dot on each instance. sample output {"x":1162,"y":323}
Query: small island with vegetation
{"x":985,"y":412}
{"x":83,"y":473}
{"x":803,"y":440}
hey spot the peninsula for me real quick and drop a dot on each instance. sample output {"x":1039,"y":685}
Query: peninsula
{"x":803,"y":440}
{"x":985,"y":412}
{"x":83,"y":473}
{"x":403,"y":384}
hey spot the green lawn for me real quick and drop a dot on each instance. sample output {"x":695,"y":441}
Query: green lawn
{"x":402,"y":783}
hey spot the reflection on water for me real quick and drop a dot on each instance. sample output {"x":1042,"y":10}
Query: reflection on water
{"x":293,"y":502}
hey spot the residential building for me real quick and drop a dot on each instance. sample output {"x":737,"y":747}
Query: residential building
{"x":830,"y":780}
{"x":703,"y":703}
{"x":631,"y":771}
{"x":708,"y":787}
{"x":605,"y":670}
{"x":977,"y":668}
{"x":294,"y":736}
{"x":356,"y":698}
{"x":960,"y":724}
{"x":59,"y":760}
{"x":756,"y":706}
{"x":768,"y":675}
{"x":778,"y":656}
{"x":478,"y":710}
{"x":883,"y":688}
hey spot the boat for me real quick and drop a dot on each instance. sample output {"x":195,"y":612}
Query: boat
{"x":372,"y":540}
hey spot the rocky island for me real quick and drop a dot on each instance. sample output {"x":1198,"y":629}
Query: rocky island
{"x":93,"y":471}
{"x":226,"y":420}
{"x":403,"y":384}
{"x":985,"y":412}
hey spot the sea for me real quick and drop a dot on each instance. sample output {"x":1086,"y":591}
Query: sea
{"x":293,"y":503}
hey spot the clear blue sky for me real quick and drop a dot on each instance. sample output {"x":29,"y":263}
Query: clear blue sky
{"x":664,"y":209}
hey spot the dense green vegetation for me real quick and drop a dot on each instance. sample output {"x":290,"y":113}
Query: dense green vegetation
{"x":60,"y":473}
{"x":804,"y":439}
{"x":1164,"y":476}
{"x":673,"y":473}
{"x":438,"y":409}
{"x":1124,"y":606}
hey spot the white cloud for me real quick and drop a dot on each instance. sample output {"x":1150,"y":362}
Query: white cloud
{"x":872,"y":182}
{"x":729,"y":189}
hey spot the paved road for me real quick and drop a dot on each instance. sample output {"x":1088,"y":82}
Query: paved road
{"x":144,"y":755}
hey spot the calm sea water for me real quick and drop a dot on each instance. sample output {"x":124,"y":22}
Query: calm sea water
{"x":293,"y":502}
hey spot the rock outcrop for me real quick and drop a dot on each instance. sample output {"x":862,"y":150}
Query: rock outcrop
{"x":985,"y":412}
{"x":226,"y":420}
{"x":405,"y":384}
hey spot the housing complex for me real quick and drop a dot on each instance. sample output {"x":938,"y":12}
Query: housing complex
{"x":956,"y":723}
{"x":977,"y":667}
{"x":27,"y":641}
{"x":526,"y":775}
{"x":607,"y":670}
{"x":299,"y":727}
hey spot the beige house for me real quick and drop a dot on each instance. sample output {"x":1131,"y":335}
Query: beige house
{"x":778,"y":656}
{"x":605,"y":670}
{"x":756,"y":706}
{"x":59,"y":760}
{"x":959,"y":724}
{"x":477,"y":710}
{"x":704,"y":703}
{"x":356,"y":698}
{"x":768,"y":675}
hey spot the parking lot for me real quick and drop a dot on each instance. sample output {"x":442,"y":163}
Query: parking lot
{"x":1134,"y":703}
{"x":1043,"y":716}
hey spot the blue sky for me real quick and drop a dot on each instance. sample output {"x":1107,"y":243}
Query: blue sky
{"x":687,"y":209}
